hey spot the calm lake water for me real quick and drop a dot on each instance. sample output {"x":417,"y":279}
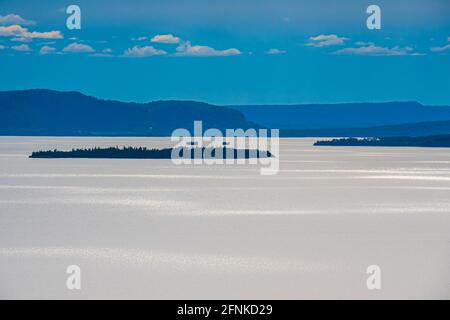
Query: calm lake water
{"x":150,"y":229}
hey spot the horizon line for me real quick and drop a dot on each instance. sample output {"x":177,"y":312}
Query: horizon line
{"x":226,"y":105}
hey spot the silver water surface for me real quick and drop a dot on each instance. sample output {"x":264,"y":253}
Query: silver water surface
{"x":150,"y":229}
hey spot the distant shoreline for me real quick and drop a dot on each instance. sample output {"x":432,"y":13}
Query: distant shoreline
{"x":43,"y":112}
{"x":437,"y":141}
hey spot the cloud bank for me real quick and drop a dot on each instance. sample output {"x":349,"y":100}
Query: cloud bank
{"x":22,"y":48}
{"x":373,"y":50}
{"x":12,"y":18}
{"x":325,"y":40}
{"x":47,"y":50}
{"x":275,"y":51}
{"x":443,"y":48}
{"x":141,"y":52}
{"x":187,"y":49}
{"x":165,"y":38}
{"x":19,"y":32}
{"x":78,"y":48}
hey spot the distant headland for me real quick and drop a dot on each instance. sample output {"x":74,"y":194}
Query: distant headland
{"x":42,"y":112}
{"x":436,"y":141}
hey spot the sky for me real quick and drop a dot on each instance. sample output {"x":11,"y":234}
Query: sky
{"x":230,"y":52}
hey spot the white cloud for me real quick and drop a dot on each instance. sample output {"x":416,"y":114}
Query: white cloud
{"x":108,"y":50}
{"x":165,"y":38}
{"x":276,"y":51}
{"x":21,"y":32}
{"x":372,"y":50}
{"x":78,"y":48}
{"x":12,"y":31}
{"x":139,"y":39}
{"x":186,"y":49}
{"x":22,"y":48}
{"x":2,"y":47}
{"x":15,"y":19}
{"x":441,"y":49}
{"x":21,"y":39}
{"x":47,"y":50}
{"x":43,"y":35}
{"x":364,"y":44}
{"x":325,"y":40}
{"x":140,"y":52}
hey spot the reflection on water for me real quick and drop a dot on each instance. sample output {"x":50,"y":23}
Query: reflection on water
{"x":150,"y":229}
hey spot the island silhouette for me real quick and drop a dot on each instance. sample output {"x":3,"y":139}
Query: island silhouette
{"x":145,"y":153}
{"x":435,"y":141}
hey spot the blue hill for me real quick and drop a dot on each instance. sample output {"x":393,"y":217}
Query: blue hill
{"x":347,"y":115}
{"x":408,"y":129}
{"x":47,"y":112}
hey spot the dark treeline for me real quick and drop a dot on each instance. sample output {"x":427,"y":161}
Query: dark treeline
{"x":145,"y":153}
{"x":112,"y":152}
{"x":437,"y":141}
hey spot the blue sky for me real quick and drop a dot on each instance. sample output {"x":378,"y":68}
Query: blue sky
{"x":230,"y":52}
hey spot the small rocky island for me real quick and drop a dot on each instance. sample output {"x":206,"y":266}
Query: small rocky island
{"x":437,"y":141}
{"x":145,"y":153}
